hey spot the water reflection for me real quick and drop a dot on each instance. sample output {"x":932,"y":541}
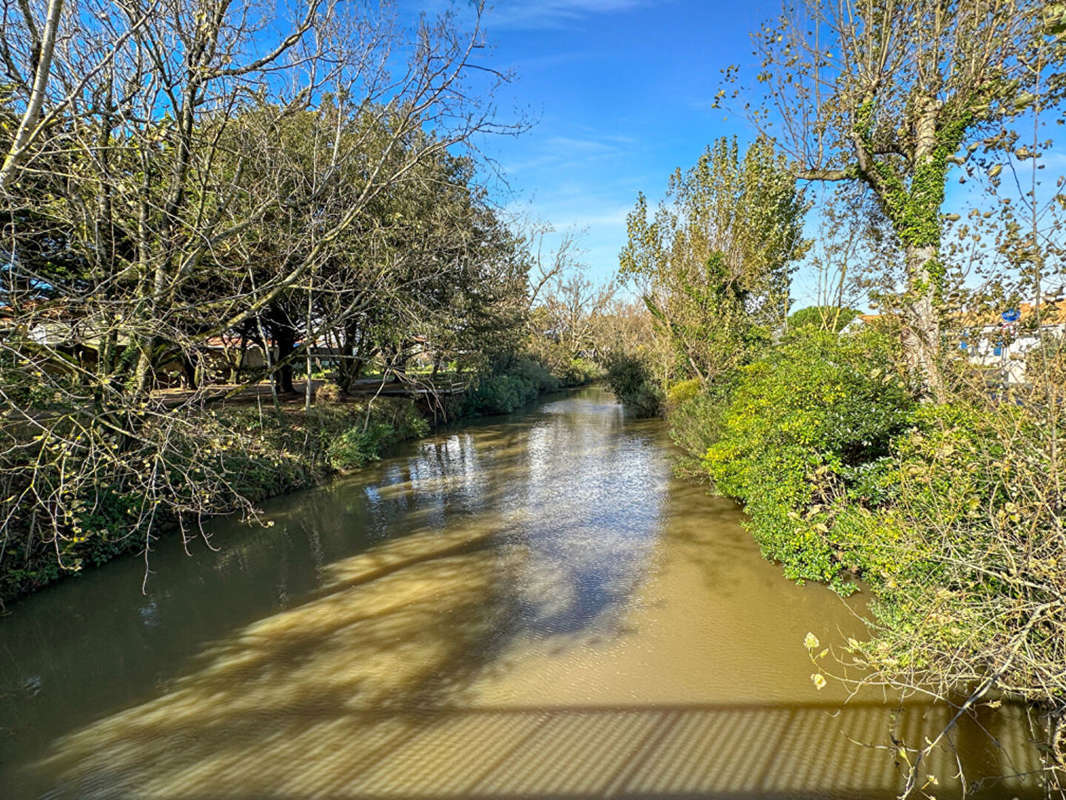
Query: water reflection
{"x":530,"y":607}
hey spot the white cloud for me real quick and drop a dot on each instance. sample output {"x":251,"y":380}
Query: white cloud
{"x":533,"y":14}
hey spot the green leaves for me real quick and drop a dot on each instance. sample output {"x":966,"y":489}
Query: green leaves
{"x":510,"y":388}
{"x":800,"y":424}
{"x":632,"y":383}
{"x":714,"y":260}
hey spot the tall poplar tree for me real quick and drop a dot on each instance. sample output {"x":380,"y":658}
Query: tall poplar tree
{"x":714,"y":261}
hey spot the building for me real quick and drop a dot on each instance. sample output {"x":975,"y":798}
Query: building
{"x":1002,"y":341}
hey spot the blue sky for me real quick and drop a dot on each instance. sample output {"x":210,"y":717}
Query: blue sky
{"x":620,"y":93}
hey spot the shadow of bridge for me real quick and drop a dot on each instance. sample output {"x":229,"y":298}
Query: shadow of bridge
{"x":659,"y":751}
{"x":367,"y":690}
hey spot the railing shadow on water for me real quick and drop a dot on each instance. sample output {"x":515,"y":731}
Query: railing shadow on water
{"x":647,"y":751}
{"x":363,"y":691}
{"x":446,"y":493}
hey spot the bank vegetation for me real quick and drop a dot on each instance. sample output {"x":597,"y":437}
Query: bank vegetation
{"x":914,"y":452}
{"x":230,"y":231}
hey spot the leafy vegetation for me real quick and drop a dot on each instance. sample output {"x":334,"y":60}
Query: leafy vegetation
{"x":713,"y":262}
{"x":261,"y":454}
{"x":804,"y":424}
{"x":632,"y":383}
{"x":507,"y":389}
{"x":831,"y":318}
{"x":253,"y":208}
{"x":916,"y":456}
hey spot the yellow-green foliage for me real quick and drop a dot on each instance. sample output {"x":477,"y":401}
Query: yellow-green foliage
{"x":803,"y":425}
{"x":682,"y":392}
{"x":970,"y":546}
{"x":950,"y":513}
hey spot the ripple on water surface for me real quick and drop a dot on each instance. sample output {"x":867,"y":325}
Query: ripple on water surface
{"x":531,"y":606}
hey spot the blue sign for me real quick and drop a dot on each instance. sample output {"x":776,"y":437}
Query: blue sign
{"x":1013,"y":315}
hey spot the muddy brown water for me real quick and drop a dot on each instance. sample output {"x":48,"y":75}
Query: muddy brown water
{"x":527,"y":607}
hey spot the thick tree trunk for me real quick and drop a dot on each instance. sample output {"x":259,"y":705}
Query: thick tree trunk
{"x":919,"y":228}
{"x":286,"y":341}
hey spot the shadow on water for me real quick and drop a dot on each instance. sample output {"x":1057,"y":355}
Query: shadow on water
{"x":530,"y":607}
{"x":364,"y":691}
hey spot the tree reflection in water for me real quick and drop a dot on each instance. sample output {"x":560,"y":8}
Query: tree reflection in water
{"x":537,"y":609}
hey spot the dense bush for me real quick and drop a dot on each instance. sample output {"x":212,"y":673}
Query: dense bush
{"x":966,"y":553}
{"x":359,"y":445}
{"x":951,"y":513}
{"x":822,"y":317}
{"x":807,"y":422}
{"x":558,"y":358}
{"x":695,"y":423}
{"x":509,"y":387}
{"x":632,"y":383}
{"x":368,"y":439}
{"x":681,"y":393}
{"x":580,"y":371}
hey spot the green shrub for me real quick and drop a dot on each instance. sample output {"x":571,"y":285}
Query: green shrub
{"x":682,"y":392}
{"x":498,"y":394}
{"x":695,"y":424}
{"x":511,"y":386}
{"x":358,"y":446}
{"x":803,"y":425}
{"x":831,"y":317}
{"x":581,"y":371}
{"x":403,"y":417}
{"x":367,"y":440}
{"x":966,"y":553}
{"x":951,"y":513}
{"x":632,"y":383}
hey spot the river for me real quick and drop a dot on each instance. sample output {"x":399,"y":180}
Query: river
{"x":530,"y":606}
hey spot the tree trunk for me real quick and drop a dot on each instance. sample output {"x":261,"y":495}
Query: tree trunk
{"x":16,"y":153}
{"x":921,"y":326}
{"x":286,"y":341}
{"x":350,"y":367}
{"x":921,"y":329}
{"x":190,"y":370}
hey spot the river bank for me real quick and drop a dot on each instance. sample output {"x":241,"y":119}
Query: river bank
{"x":281,"y":450}
{"x":529,"y":605}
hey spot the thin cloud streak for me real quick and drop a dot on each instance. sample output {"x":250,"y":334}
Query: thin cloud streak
{"x":524,"y":15}
{"x":584,"y":146}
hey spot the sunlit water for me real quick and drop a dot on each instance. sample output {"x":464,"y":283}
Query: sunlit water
{"x":529,"y":607}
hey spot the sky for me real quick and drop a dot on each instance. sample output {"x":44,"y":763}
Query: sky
{"x":619,"y":94}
